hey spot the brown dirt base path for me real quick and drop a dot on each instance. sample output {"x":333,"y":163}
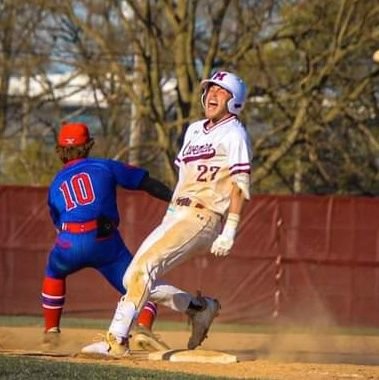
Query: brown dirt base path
{"x":279,"y":357}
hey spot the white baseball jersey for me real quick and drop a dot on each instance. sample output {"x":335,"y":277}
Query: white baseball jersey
{"x":210,"y":160}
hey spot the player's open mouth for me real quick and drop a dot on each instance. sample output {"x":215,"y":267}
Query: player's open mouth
{"x":212,"y":104}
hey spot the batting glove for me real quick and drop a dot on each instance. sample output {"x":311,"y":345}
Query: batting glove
{"x":221,"y":246}
{"x":224,"y":242}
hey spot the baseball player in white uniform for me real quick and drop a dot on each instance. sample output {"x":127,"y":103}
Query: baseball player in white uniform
{"x":213,"y":183}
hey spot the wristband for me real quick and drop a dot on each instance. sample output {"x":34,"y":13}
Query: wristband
{"x":231,"y":224}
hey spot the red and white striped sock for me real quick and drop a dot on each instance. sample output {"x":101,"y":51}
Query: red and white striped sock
{"x":147,"y":315}
{"x":53,"y":297}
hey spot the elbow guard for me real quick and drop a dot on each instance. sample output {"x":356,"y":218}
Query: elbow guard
{"x":242,"y":180}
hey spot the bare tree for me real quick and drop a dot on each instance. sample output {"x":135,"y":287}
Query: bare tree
{"x":313,"y":101}
{"x":321,"y":98}
{"x":20,"y":56}
{"x":144,"y":49}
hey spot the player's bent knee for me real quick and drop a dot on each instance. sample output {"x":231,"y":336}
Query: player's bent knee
{"x":136,"y":285}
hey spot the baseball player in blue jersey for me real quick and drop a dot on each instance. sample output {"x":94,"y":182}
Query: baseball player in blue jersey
{"x":82,"y":203}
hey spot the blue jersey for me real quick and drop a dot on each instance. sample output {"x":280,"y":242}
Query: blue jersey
{"x":85,"y":189}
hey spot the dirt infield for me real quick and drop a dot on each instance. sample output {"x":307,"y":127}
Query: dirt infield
{"x":280,"y":356}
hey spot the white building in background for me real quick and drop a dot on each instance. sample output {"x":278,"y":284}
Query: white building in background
{"x":41,"y":102}
{"x":68,"y":89}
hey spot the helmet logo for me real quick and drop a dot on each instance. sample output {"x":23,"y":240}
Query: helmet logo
{"x":70,"y":140}
{"x":231,"y":83}
{"x":219,"y":75}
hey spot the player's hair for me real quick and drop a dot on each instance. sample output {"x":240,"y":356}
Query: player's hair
{"x":69,"y":153}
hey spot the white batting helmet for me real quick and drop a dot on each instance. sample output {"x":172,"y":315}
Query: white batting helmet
{"x":231,"y":82}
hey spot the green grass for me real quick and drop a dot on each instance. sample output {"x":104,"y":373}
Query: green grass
{"x":31,"y":368}
{"x":16,"y":368}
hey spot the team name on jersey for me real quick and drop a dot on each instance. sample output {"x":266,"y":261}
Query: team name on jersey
{"x":193,"y":152}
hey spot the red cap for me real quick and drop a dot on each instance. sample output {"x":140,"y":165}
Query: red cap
{"x":73,"y":134}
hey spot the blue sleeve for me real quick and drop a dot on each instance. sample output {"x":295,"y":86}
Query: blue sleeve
{"x":54,"y":214}
{"x":129,"y":177}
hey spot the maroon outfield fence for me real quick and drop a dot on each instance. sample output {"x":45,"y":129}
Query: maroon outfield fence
{"x":297,"y":259}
